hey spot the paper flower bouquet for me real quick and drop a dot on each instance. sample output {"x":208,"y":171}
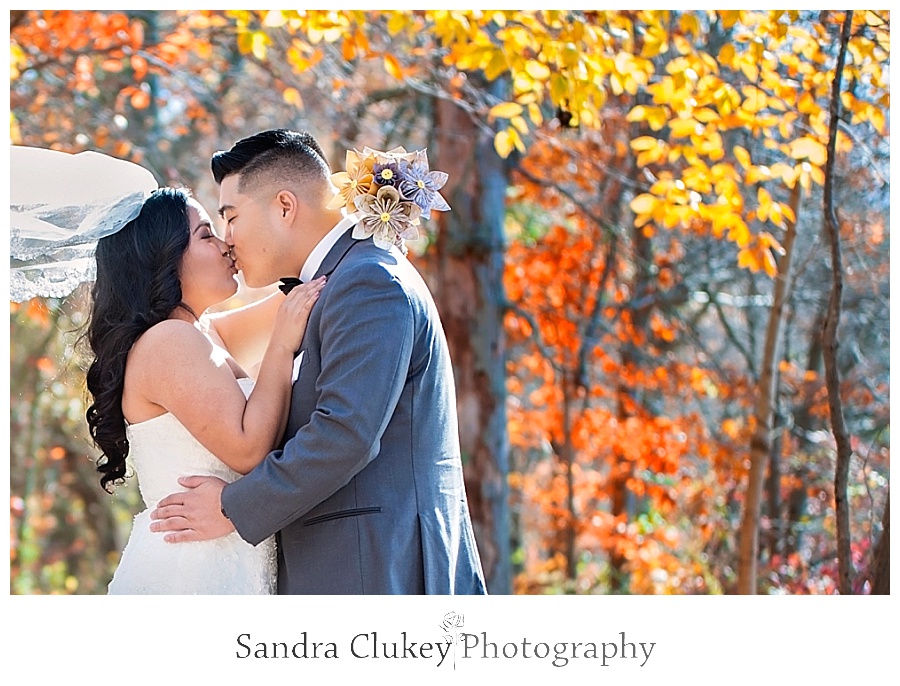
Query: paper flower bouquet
{"x":389,"y":192}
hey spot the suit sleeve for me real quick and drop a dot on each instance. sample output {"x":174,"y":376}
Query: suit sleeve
{"x":367,"y":337}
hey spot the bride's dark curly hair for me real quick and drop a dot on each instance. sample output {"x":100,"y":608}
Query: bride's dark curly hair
{"x":137,"y":286}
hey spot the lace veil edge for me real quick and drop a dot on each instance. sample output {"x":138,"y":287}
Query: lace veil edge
{"x":61,"y":204}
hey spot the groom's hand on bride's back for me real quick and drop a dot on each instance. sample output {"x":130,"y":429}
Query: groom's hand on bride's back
{"x":194,"y":514}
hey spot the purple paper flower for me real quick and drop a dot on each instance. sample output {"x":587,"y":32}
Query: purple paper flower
{"x":387,"y":174}
{"x":421,"y":185}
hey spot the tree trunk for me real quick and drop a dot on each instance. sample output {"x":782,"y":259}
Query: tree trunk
{"x":623,"y":498}
{"x":761,"y":442}
{"x":568,"y":457}
{"x":830,"y":344}
{"x":774,"y":542}
{"x":469,"y":294}
{"x":880,"y":571}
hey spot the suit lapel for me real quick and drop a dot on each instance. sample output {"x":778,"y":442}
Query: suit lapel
{"x":343,"y":245}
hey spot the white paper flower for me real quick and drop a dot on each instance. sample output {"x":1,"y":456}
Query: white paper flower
{"x":387,"y":218}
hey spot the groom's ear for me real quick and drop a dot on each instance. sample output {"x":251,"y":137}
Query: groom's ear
{"x":287,"y":204}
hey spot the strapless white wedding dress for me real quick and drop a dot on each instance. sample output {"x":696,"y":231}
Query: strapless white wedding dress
{"x":161,"y":450}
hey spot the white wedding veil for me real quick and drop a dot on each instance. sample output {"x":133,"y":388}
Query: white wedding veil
{"x":60,"y":205}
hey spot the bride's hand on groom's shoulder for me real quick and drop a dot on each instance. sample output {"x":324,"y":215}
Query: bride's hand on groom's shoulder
{"x":194,"y":514}
{"x":293,"y":314}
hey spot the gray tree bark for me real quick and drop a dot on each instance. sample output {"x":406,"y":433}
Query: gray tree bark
{"x":764,"y":410}
{"x":880,"y":570}
{"x":470,"y":296}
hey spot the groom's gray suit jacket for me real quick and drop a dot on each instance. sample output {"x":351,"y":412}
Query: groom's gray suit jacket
{"x":367,"y":493}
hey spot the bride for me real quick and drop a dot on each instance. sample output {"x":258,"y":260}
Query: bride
{"x":169,"y":394}
{"x":170,"y":383}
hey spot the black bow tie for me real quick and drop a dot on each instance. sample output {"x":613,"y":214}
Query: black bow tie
{"x":288,"y":283}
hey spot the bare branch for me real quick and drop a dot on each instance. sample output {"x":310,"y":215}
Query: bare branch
{"x":832,"y":320}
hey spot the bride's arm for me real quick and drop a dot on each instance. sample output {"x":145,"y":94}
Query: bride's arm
{"x":178,"y":369}
{"x":245,"y":331}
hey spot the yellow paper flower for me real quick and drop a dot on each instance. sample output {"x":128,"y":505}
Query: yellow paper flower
{"x":356,"y":181}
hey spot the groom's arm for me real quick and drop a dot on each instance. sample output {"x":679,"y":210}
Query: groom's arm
{"x":367,"y":334}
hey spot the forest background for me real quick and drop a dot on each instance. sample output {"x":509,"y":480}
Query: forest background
{"x":664,"y":277}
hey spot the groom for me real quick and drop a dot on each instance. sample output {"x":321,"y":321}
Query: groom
{"x":366,"y":493}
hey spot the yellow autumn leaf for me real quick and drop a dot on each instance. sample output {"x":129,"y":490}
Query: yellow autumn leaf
{"x":738,"y":232}
{"x":803,"y":175}
{"x":788,"y":212}
{"x":392,"y":66}
{"x":726,"y":54}
{"x":523,"y":83}
{"x":681,"y":128}
{"x":496,"y":66}
{"x":765,"y":204}
{"x":654,"y":42}
{"x":809,"y":148}
{"x":644,"y":143}
{"x":396,"y":23}
{"x":749,"y":65}
{"x":537,"y":70}
{"x":586,"y":117}
{"x":775,"y":214}
{"x":516,"y":139}
{"x":505,"y":110}
{"x":874,"y":19}
{"x":776,"y":104}
{"x":674,"y":154}
{"x":690,"y":23}
{"x":258,"y":43}
{"x":520,"y":124}
{"x":615,"y":82}
{"x":754,"y":99}
{"x":876,"y":116}
{"x":644,"y":204}
{"x":674,"y":215}
{"x":747,"y":258}
{"x":637,"y":113}
{"x":705,"y":115}
{"x":768,"y":263}
{"x":657,"y":117}
{"x":817,"y":175}
{"x":503,"y":144}
{"x":470,"y":57}
{"x":729,"y":17}
{"x":743,"y":156}
{"x":648,"y":157}
{"x":559,"y":88}
{"x":274,"y":19}
{"x":292,"y":97}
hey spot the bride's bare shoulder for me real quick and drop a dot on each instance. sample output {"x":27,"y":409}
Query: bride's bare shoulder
{"x":169,"y":340}
{"x":166,"y":354}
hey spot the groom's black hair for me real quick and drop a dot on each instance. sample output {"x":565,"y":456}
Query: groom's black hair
{"x":296,"y":150}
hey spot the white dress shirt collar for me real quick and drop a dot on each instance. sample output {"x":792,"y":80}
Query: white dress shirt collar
{"x":314,"y":261}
